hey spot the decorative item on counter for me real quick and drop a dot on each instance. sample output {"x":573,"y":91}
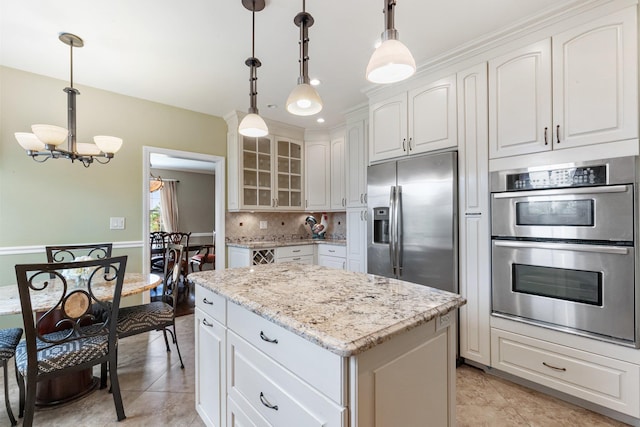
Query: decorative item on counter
{"x":317,"y":230}
{"x":79,"y":275}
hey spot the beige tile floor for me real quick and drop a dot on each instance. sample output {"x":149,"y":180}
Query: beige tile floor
{"x":157,"y":393}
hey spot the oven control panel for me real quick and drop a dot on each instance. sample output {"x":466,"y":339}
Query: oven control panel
{"x":556,"y":178}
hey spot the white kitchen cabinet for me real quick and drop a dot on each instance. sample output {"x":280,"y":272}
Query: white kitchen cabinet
{"x":266,"y":173}
{"x":317,"y":175}
{"x":210,"y":358}
{"x":420,"y":120}
{"x":475,"y":237}
{"x":337,"y":173}
{"x":301,"y":254}
{"x":606,"y":381}
{"x":357,"y":239}
{"x":578,"y":87}
{"x":333,"y":256}
{"x":356,"y":160}
{"x":288,"y":173}
{"x":245,"y":257}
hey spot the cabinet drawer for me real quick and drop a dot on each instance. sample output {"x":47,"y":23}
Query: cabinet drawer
{"x":608,"y":382}
{"x":275,"y":393}
{"x":211,"y":303}
{"x":302,"y":259}
{"x":294,"y":251}
{"x":332,"y":250}
{"x":316,"y":365}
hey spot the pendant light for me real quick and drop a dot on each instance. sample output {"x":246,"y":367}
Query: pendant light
{"x":43,"y":143}
{"x":391,"y":62}
{"x":304,"y":100}
{"x":252,"y":124}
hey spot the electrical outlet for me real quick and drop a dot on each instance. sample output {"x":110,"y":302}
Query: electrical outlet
{"x":263,"y":225}
{"x":116,"y":223}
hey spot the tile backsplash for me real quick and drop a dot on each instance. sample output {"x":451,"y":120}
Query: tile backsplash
{"x":245,"y":226}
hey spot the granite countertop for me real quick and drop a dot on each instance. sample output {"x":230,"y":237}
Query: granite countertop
{"x":264,"y":244}
{"x":344,"y":312}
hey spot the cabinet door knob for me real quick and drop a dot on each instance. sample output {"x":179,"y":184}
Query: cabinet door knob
{"x":558,"y":134}
{"x":404,"y":144}
{"x":410,"y":139}
{"x":546,"y":141}
{"x":267,"y":339}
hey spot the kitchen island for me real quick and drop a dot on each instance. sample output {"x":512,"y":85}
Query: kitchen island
{"x":290,"y":344}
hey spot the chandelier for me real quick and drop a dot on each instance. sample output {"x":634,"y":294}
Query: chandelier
{"x":44,"y":142}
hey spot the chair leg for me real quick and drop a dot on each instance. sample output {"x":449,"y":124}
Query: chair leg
{"x":6,"y":394}
{"x":115,"y":387}
{"x":30,"y":404}
{"x":103,"y":375}
{"x":166,"y":341}
{"x":175,"y":341}
{"x":20,"y":381}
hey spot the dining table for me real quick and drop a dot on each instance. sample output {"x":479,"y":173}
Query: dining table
{"x":74,"y":385}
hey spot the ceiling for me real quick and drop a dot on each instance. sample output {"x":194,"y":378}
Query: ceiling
{"x":191,"y":53}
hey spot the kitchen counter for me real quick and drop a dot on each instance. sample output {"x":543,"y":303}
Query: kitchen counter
{"x":343,"y":312}
{"x":264,"y":244}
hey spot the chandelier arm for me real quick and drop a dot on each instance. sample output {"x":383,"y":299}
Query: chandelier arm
{"x":102,"y":162}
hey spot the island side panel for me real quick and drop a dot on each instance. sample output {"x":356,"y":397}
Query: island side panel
{"x":408,"y":381}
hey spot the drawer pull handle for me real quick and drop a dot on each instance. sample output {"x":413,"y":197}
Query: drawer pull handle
{"x":267,"y":339}
{"x":206,"y":301}
{"x":266,"y":403}
{"x":296,"y":250}
{"x":555,"y":368}
{"x":331,"y":250}
{"x":205,"y":323}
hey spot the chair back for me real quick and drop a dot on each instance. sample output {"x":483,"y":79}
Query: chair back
{"x":181,"y":238}
{"x":84,"y":300}
{"x":157,"y":240}
{"x":172,"y":273}
{"x":67,"y":253}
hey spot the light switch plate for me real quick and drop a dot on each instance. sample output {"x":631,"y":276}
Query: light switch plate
{"x":116,"y":223}
{"x":263,"y":225}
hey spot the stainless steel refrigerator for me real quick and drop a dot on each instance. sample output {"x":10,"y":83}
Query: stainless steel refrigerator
{"x":412,"y":228}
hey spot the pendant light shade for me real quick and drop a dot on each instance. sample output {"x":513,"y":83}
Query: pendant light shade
{"x":392,"y":61}
{"x":252,"y":124}
{"x":304,"y":99}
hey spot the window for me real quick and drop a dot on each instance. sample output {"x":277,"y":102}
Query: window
{"x":155,"y":216}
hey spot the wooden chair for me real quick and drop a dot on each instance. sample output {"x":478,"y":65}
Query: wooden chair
{"x":157,"y":315}
{"x":205,"y":255}
{"x":9,"y":339}
{"x":67,"y":253}
{"x":82,"y":339}
{"x":158,"y":248}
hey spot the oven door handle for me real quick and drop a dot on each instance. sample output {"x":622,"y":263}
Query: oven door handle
{"x":616,"y":250}
{"x":562,"y":192}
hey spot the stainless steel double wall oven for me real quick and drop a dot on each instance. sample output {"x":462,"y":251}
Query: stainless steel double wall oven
{"x":564,"y":247}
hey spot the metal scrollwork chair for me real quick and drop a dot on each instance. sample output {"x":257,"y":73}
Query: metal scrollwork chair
{"x":158,"y":246}
{"x":66,"y":253}
{"x":81,"y":339}
{"x":157,"y":315}
{"x":9,"y":339}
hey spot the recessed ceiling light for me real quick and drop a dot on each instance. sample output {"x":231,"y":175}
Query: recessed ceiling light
{"x":314,"y":82}
{"x":320,"y":120}
{"x":272,"y":106}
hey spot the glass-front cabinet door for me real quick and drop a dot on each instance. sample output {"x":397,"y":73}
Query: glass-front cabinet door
{"x":257,"y":167}
{"x":289,"y":174}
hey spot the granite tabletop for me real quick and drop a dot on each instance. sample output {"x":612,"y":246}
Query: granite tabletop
{"x":264,"y":244}
{"x":344,"y":312}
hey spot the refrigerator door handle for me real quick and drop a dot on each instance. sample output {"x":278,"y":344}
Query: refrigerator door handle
{"x":398,"y":225}
{"x":392,"y":229}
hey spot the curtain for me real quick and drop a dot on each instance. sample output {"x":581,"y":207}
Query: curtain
{"x":169,"y":206}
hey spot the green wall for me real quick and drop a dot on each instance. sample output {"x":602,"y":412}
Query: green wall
{"x":58,"y":202}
